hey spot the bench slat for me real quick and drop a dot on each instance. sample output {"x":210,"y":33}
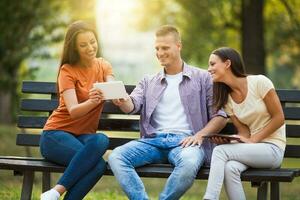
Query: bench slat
{"x":288,"y":95}
{"x":39,"y":87}
{"x":292,"y":151}
{"x":104,"y":125}
{"x":293,"y":131}
{"x":39,"y":105}
{"x":48,"y":105}
{"x":292,"y":113}
{"x":26,"y":139}
{"x":285,"y":95}
{"x":36,"y":87}
{"x":131,"y":125}
{"x":153,"y":170}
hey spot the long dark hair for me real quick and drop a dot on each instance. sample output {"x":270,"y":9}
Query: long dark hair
{"x":70,"y":54}
{"x":221,"y":90}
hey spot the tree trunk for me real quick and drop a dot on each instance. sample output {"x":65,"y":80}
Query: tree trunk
{"x":6,"y":116}
{"x":253,"y":49}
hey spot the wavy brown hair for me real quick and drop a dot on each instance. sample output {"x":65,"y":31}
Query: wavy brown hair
{"x":70,"y":54}
{"x":221,"y":90}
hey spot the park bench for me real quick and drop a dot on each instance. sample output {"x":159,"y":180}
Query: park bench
{"x":114,"y":120}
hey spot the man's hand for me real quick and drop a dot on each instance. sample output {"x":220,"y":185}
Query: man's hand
{"x":120,"y":102}
{"x":192,"y":141}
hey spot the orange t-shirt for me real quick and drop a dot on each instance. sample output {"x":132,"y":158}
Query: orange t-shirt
{"x":81,"y":79}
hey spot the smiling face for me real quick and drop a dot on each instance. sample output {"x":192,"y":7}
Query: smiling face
{"x":218,"y":68}
{"x":167,"y":50}
{"x":86,"y":46}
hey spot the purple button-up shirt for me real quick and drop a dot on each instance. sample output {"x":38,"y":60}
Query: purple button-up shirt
{"x":195,"y":92}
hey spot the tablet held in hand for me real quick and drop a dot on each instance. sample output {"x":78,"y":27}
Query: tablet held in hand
{"x":112,"y":89}
{"x":225,"y":137}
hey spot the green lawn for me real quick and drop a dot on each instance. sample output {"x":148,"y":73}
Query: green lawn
{"x":107,"y":187}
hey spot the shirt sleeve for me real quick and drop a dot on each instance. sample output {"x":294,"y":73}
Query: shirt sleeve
{"x":228,"y":109}
{"x":107,"y":69}
{"x":66,"y":79}
{"x":264,"y":85}
{"x":138,"y":94}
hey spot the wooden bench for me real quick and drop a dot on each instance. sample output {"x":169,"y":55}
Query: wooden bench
{"x":114,"y":120}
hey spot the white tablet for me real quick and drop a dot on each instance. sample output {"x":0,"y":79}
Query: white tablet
{"x":112,"y":89}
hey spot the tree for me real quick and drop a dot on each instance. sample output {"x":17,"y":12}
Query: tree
{"x":253,"y":44}
{"x":22,"y":25}
{"x":264,"y":31}
{"x":28,"y":26}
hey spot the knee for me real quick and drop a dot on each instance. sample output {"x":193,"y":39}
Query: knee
{"x":218,"y":152}
{"x":190,"y":167}
{"x":115,"y":157}
{"x":218,"y":149}
{"x":100,"y":141}
{"x":232,"y":169}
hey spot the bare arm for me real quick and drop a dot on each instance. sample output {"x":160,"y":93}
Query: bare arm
{"x":76,"y":109}
{"x":242,"y":129}
{"x":277,"y":117}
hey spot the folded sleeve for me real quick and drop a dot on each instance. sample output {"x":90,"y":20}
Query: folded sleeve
{"x":264,"y":85}
{"x":138,"y":94}
{"x":107,"y":69}
{"x":66,"y":79}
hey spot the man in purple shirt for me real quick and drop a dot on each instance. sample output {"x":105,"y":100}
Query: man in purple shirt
{"x":176,"y":111}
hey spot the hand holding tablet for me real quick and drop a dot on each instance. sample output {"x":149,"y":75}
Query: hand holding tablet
{"x":112,"y":89}
{"x":223,"y":139}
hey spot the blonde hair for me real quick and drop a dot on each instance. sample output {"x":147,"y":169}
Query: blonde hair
{"x":168,"y":30}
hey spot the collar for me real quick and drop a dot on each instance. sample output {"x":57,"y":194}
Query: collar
{"x":186,"y":72}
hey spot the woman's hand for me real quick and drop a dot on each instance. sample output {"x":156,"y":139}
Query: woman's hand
{"x":244,"y":139}
{"x":95,"y":96}
{"x":219,"y":140}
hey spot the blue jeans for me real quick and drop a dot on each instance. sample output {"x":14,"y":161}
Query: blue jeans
{"x":161,"y":149}
{"x":81,"y":154}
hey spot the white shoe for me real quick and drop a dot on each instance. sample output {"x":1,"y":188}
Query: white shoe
{"x":50,"y":195}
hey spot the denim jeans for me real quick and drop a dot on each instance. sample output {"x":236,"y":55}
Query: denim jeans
{"x":81,"y":154}
{"x":161,"y":149}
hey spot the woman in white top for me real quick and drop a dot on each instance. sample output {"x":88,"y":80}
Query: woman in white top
{"x":255,"y":110}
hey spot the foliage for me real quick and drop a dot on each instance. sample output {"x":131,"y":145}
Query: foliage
{"x":208,"y":24}
{"x":31,"y":28}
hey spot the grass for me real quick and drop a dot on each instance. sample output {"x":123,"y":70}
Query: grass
{"x":107,"y":188}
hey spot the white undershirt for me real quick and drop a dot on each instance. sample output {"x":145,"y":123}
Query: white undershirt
{"x":169,"y":115}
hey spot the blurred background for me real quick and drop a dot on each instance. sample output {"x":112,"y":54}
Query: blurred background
{"x":265,"y":32}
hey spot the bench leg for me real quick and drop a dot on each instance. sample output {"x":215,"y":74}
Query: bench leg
{"x":275,"y":191}
{"x":46,"y":181}
{"x":27,"y":185}
{"x":262,"y":191}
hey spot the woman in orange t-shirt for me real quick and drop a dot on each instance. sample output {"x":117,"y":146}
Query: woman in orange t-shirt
{"x":69,"y":137}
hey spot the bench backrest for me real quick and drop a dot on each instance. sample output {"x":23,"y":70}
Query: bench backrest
{"x":38,"y":109}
